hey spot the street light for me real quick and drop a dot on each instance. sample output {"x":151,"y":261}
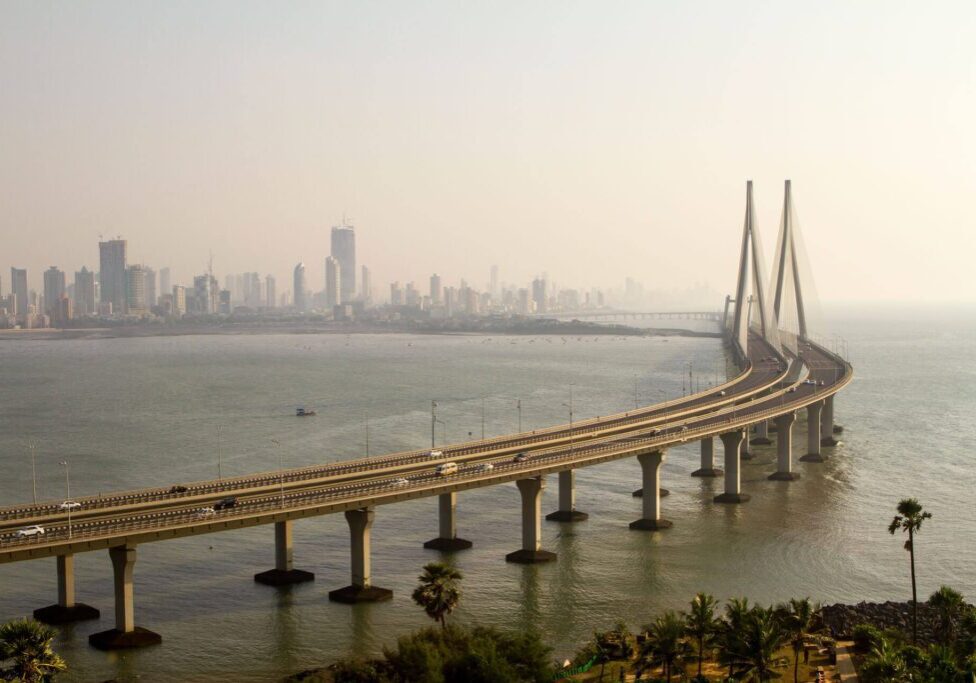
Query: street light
{"x":67,"y":491}
{"x":570,"y":406}
{"x":482,"y":418}
{"x":219,"y":474}
{"x":366,"y":419}
{"x":636,"y":400}
{"x":281,"y":471}
{"x":518,"y":407}
{"x":434,"y":421}
{"x":30,"y":445}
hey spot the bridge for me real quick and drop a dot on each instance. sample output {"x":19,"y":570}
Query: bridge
{"x":616,"y":314}
{"x":781,"y":371}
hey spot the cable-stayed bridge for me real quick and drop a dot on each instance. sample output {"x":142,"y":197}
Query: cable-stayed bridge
{"x":781,"y":370}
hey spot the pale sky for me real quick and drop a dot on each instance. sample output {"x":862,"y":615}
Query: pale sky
{"x":588,"y":140}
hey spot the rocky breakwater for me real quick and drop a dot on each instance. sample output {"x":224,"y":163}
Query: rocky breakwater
{"x":840,"y":620}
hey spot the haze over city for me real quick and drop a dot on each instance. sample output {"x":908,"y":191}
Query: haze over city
{"x":570,"y":139}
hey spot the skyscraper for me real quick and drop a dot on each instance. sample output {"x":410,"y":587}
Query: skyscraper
{"x":150,"y":287}
{"x":18,"y":289}
{"x":333,"y":282}
{"x":165,"y":285}
{"x":435,"y":289}
{"x":179,"y":300}
{"x":344,"y":250}
{"x":53,"y":290}
{"x":539,"y":295}
{"x":300,"y":288}
{"x":493,"y":286}
{"x":365,"y":286}
{"x":112,"y":274}
{"x":269,"y":291}
{"x":136,"y":303}
{"x":84,"y":292}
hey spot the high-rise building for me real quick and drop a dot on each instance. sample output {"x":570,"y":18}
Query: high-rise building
{"x":396,"y":294}
{"x":150,"y":287}
{"x":112,"y":274}
{"x":165,"y":284}
{"x":435,"y":289}
{"x":18,"y":290}
{"x":412,"y":296}
{"x":344,"y":250}
{"x":301,"y":302}
{"x":136,"y":302}
{"x":539,"y":295}
{"x":493,"y":285}
{"x":365,"y":286}
{"x":333,"y":282}
{"x":84,"y":292}
{"x":179,"y":300}
{"x":269,"y":291}
{"x":53,"y":290}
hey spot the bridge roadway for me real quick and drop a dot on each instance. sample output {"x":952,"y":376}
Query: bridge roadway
{"x":120,"y":522}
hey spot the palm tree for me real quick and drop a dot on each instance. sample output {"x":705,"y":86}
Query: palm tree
{"x":797,"y":616}
{"x":663,"y":643}
{"x":438,"y":592}
{"x":883,"y":665}
{"x":28,"y":644}
{"x":700,"y":624}
{"x":950,"y":606}
{"x":761,"y":637}
{"x":730,"y":633}
{"x":909,"y":518}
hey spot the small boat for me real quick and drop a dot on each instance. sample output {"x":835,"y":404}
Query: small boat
{"x":301,"y":412}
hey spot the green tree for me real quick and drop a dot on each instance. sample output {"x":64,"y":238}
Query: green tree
{"x":909,"y":519}
{"x":438,"y":592}
{"x":612,"y":645}
{"x":730,"y":633}
{"x":950,"y":607}
{"x":762,"y":635}
{"x":27,"y":644}
{"x":701,"y":624}
{"x":883,"y":665}
{"x":664,"y":644}
{"x":797,"y":618}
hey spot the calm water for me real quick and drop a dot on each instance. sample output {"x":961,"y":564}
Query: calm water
{"x":135,"y":412}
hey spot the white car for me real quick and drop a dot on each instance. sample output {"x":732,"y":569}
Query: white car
{"x":435,"y":454}
{"x":69,"y":505}
{"x":35,"y":530}
{"x":206,"y":512}
{"x":400,"y":481}
{"x":485,"y":467}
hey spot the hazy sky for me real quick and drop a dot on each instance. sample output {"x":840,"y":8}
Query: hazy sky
{"x":588,"y":140}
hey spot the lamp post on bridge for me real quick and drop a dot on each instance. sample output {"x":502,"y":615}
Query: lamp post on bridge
{"x":366,"y":420}
{"x":518,"y":407}
{"x":67,"y":490}
{"x":433,"y":422}
{"x":281,"y":472}
{"x":482,"y":418}
{"x":219,"y":474}
{"x":636,"y":399}
{"x":30,"y":446}
{"x":572,"y":440}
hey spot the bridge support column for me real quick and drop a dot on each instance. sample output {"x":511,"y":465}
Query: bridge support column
{"x":708,"y":468}
{"x":531,"y":551}
{"x":651,"y":475}
{"x":784,"y":447}
{"x":66,"y":610}
{"x":762,"y":434}
{"x":732,"y":442}
{"x":125,"y":634}
{"x":446,"y":514}
{"x":284,"y":572}
{"x":827,"y":423}
{"x":813,"y":433}
{"x":361,"y":589}
{"x":567,"y":511}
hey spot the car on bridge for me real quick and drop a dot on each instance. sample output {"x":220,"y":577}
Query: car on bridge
{"x":178,"y":488}
{"x":521,"y":457}
{"x":31,"y":531}
{"x":401,"y":481}
{"x":205,"y":512}
{"x":446,"y":469}
{"x":225,"y":503}
{"x":69,"y":505}
{"x":485,"y":467}
{"x":435,"y":454}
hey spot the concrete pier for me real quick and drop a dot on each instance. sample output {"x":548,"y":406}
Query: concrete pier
{"x":827,"y":423}
{"x":661,"y":491}
{"x":447,"y":538}
{"x":651,"y":474}
{"x":67,"y":609}
{"x":567,"y":511}
{"x":125,"y":634}
{"x":708,"y":468}
{"x":762,"y":434}
{"x":284,"y":573}
{"x":732,"y":442}
{"x":531,"y":551}
{"x":813,"y":433}
{"x":784,"y":447}
{"x":361,"y":589}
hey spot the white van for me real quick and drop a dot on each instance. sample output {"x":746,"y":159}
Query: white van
{"x":435,"y":454}
{"x":446,"y":469}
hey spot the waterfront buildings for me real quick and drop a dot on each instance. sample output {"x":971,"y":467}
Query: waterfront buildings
{"x":112,"y":274}
{"x":269,"y":291}
{"x":85,"y":293}
{"x":300,"y":288}
{"x":18,"y":290}
{"x":344,"y":250}
{"x":333,"y":282}
{"x":53,"y":290}
{"x":136,"y":301}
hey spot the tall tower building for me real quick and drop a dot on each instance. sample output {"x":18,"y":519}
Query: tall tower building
{"x":112,"y":274}
{"x":365,"y":286}
{"x":136,"y":303}
{"x":53,"y":290}
{"x":18,"y":289}
{"x":165,"y":284}
{"x":150,"y":287}
{"x":333,"y":282}
{"x":270,"y":291}
{"x":344,"y":251}
{"x":85,"y":292}
{"x":300,"y":288}
{"x":539,"y":295}
{"x":435,"y":289}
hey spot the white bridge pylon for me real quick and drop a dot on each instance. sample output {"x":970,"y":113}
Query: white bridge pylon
{"x":751,"y":307}
{"x":787,"y":292}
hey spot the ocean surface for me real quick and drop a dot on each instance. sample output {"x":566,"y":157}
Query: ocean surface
{"x":155,"y":411}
